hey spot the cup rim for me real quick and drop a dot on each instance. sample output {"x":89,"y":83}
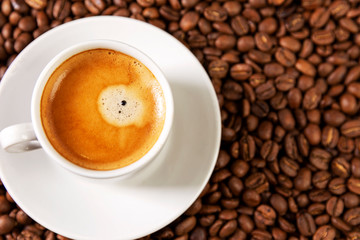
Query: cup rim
{"x":101,"y":44}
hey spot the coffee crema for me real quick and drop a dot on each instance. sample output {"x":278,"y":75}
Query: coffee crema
{"x":102,"y":109}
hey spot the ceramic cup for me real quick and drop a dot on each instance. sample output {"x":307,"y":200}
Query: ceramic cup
{"x":29,"y":136}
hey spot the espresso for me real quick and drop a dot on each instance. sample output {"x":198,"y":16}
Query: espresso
{"x":102,"y":109}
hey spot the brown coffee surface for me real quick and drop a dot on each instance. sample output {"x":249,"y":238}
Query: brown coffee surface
{"x":102,"y":109}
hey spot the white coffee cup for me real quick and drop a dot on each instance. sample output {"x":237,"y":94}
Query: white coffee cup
{"x":29,"y":136}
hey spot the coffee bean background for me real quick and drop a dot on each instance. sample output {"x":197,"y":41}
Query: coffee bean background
{"x":286,"y":74}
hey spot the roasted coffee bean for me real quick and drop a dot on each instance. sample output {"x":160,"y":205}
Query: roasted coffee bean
{"x":240,"y":168}
{"x":352,"y":216}
{"x":314,"y":116}
{"x":349,"y":25}
{"x":289,"y":166}
{"x":279,"y":101}
{"x":334,"y":117}
{"x":316,"y":208}
{"x":339,"y":8}
{"x":351,"y":200}
{"x":305,"y":67}
{"x":260,"y":235}
{"x":189,"y":21}
{"x":337,"y":186}
{"x":269,"y":150}
{"x":258,"y":182}
{"x":302,"y":181}
{"x":6,"y":224}
{"x":232,"y":90}
{"x":286,"y":225}
{"x":285,"y":82}
{"x":340,"y":224}
{"x":218,"y":68}
{"x":239,"y":25}
{"x":228,"y":229}
{"x":251,"y":197}
{"x":351,"y":128}
{"x":353,"y":235}
{"x":263,"y":41}
{"x":225,"y":42}
{"x":22,"y":41}
{"x":273,"y":69}
{"x":23,"y":218}
{"x":37,"y":4}
{"x":312,"y":98}
{"x":353,"y":184}
{"x":319,"y":195}
{"x":260,"y":109}
{"x":246,"y":223}
{"x":325,"y":232}
{"x":294,"y":22}
{"x":27,"y":24}
{"x":257,"y":79}
{"x":194,"y":208}
{"x":265,"y":91}
{"x":330,"y":136}
{"x":221,"y":175}
{"x":165,"y":233}
{"x":290,"y":43}
{"x":345,"y":145}
{"x":348,"y":103}
{"x":355,"y":167}
{"x":290,"y":145}
{"x":78,"y":9}
{"x":313,"y":133}
{"x":265,"y":130}
{"x":323,"y":37}
{"x":305,"y":224}
{"x":199,"y":233}
{"x":247,"y":147}
{"x":340,"y":167}
{"x":279,"y":204}
{"x":264,"y":214}
{"x":215,"y":13}
{"x":321,"y":179}
{"x":335,"y":206}
{"x":285,"y":57}
{"x":185,"y":226}
{"x":207,"y":220}
{"x":5,"y":205}
{"x":286,"y":119}
{"x":214,"y":229}
{"x":241,"y":71}
{"x":320,"y":158}
{"x":245,"y":43}
{"x":352,"y":75}
{"x":303,"y":145}
{"x":294,"y":97}
{"x":228,"y":214}
{"x":319,"y":17}
{"x":337,"y":75}
{"x":168,"y":13}
{"x":285,"y":181}
{"x":20,"y":6}
{"x":268,"y":25}
{"x":236,"y":186}
{"x":259,"y":57}
{"x":230,"y":203}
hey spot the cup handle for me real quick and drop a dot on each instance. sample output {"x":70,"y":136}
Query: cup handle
{"x":19,"y":138}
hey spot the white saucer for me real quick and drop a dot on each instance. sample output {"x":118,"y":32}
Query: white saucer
{"x":82,"y":208}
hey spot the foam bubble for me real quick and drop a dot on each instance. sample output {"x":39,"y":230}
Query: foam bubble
{"x":121,"y":106}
